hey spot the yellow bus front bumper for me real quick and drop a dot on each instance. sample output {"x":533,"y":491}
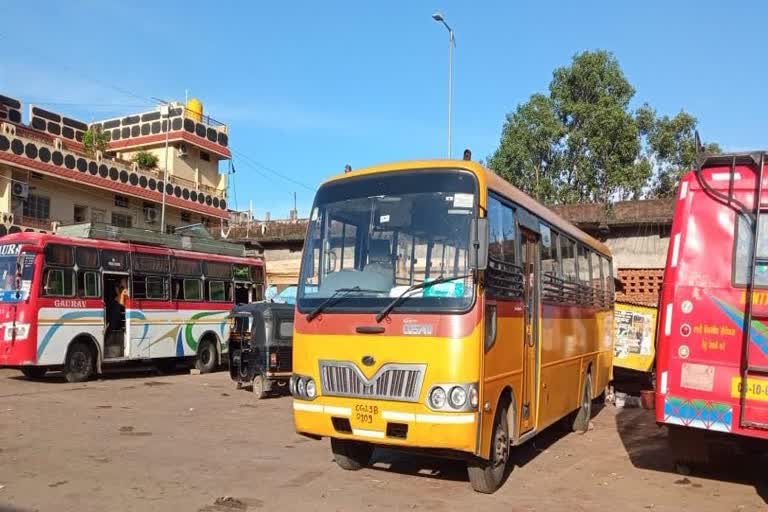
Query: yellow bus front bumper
{"x":425,"y":428}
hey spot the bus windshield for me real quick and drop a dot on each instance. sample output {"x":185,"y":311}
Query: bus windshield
{"x":14,"y":280}
{"x":383,"y":233}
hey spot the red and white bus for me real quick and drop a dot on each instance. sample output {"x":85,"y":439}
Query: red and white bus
{"x":60,"y":303}
{"x":712,"y":370}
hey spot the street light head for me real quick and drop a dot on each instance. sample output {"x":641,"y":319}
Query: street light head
{"x":438,"y":16}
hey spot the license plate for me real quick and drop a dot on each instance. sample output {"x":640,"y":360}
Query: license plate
{"x":757,"y":389}
{"x":366,"y":415}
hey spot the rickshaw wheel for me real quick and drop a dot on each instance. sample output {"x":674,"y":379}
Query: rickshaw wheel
{"x":258,"y":387}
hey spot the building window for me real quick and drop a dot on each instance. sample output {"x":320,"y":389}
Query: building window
{"x":170,"y":229}
{"x":38,"y":207}
{"x":121,"y":201}
{"x":81,"y":214}
{"x":98,"y":216}
{"x":121,"y":220}
{"x":205,"y":157}
{"x":186,"y":217}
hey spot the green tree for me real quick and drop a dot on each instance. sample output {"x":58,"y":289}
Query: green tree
{"x":145,"y":160}
{"x":95,"y":140}
{"x":582,"y":143}
{"x":671,"y":144}
{"x":528,"y":150}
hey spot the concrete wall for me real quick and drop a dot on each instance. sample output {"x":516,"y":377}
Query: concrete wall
{"x":639,"y":248}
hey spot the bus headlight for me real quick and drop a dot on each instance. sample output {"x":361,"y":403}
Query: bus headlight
{"x":453,"y":397}
{"x":303,"y":387}
{"x":311,"y":389}
{"x":437,"y":398}
{"x":458,"y":397}
{"x":474,"y":396}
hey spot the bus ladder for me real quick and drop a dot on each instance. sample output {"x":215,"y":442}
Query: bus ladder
{"x":747,"y":368}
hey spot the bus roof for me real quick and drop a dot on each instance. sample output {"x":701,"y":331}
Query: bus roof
{"x":488,"y":181}
{"x":40,"y":239}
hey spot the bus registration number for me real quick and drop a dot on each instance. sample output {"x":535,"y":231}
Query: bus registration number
{"x":366,"y":414}
{"x":757,"y":389}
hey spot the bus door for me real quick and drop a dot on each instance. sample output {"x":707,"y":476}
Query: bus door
{"x":530,"y":264}
{"x":115,"y":285}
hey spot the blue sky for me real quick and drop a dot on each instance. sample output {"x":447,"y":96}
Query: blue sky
{"x":307,"y":87}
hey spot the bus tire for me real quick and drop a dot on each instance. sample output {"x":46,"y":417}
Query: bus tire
{"x":80,"y":362}
{"x":584,"y":413}
{"x":34,"y":372}
{"x":351,"y":455}
{"x":258,"y":388}
{"x":486,"y":476}
{"x":207,"y":356}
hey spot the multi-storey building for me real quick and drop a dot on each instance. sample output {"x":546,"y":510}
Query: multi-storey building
{"x":49,"y":177}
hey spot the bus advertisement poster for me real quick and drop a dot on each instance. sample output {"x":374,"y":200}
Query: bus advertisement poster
{"x":635,"y":337}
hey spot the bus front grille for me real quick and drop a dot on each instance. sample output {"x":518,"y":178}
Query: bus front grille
{"x":391,"y":382}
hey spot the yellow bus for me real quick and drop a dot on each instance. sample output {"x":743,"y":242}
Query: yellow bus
{"x":442,"y":309}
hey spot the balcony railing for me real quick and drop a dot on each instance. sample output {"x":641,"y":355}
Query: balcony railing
{"x":77,"y":149}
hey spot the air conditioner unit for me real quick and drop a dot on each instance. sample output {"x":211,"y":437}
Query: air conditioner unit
{"x":150,"y":215}
{"x":182,"y":150}
{"x":20,"y":190}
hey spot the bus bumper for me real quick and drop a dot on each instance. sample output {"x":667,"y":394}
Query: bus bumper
{"x":394,"y":424}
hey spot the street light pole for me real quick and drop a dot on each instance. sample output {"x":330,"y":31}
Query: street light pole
{"x":438,"y":16}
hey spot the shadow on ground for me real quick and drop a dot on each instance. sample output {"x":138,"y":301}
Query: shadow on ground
{"x":418,"y":464}
{"x":648,"y":448}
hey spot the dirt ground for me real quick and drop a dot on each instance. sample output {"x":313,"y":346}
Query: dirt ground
{"x":143,"y":442}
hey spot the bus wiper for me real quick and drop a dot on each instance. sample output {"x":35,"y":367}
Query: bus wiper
{"x":337,"y":295}
{"x":424,"y":284}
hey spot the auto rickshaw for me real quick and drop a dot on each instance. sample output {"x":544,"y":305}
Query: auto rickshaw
{"x":260,"y":346}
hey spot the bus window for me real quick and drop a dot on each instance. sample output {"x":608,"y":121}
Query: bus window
{"x":550,"y":264}
{"x":150,"y":263}
{"x":87,"y":257}
{"x":594,"y":263}
{"x":257,"y":274}
{"x":582,"y":264}
{"x":187,"y":267}
{"x":568,"y":256}
{"x":219,"y":291}
{"x":343,"y":239}
{"x":88,"y":286}
{"x":60,"y":255}
{"x":156,"y":288}
{"x":743,"y":252}
{"x":218,"y":270}
{"x":114,"y":260}
{"x":241,"y":272}
{"x":496,"y":239}
{"x":193,"y":289}
{"x":508,"y":231}
{"x":59,"y":283}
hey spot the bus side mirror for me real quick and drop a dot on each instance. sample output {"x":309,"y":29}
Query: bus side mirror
{"x":478,"y":254}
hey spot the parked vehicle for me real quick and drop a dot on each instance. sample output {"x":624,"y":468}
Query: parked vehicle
{"x":441,"y":308}
{"x":286,"y":296}
{"x":712,"y":354}
{"x":260,"y":346}
{"x":79,"y":304}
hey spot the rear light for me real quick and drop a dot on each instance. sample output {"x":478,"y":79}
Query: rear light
{"x":273,"y":359}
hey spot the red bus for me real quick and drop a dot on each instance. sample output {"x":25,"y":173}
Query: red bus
{"x":712,"y":369}
{"x":78,"y":304}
